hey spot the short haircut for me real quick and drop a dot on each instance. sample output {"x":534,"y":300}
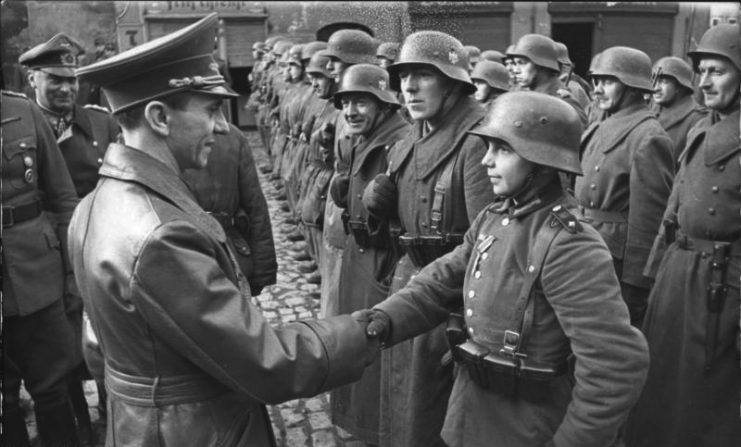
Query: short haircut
{"x":131,"y":118}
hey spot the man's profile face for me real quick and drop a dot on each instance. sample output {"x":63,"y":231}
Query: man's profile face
{"x":193,"y":128}
{"x":56,"y":93}
{"x":719,"y":82}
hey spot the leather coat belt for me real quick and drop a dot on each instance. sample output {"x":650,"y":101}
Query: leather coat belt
{"x":159,"y":391}
{"x":16,"y":214}
{"x":593,"y":214}
{"x":707,"y":246}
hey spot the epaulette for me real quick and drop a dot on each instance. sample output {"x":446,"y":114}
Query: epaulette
{"x":97,"y":107}
{"x":16,"y":94}
{"x":567,"y":220}
{"x":563,"y":93}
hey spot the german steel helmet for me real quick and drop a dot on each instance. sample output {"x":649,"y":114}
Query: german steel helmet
{"x":259,"y":46}
{"x":493,"y":73}
{"x":281,"y":47}
{"x":562,"y":54}
{"x":365,"y":78}
{"x":294,"y":54}
{"x":720,"y":40}
{"x":676,"y":68}
{"x":311,"y":48}
{"x":440,"y":50}
{"x":630,"y":66}
{"x":318,"y":64}
{"x":352,"y":46}
{"x":492,"y":55}
{"x":538,"y":48}
{"x":507,"y":51}
{"x":389,"y":50}
{"x":474,"y":53}
{"x":541,"y":128}
{"x":272,"y":40}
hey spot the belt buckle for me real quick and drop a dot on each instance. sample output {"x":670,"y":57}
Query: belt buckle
{"x":511,"y":345}
{"x":8,"y":211}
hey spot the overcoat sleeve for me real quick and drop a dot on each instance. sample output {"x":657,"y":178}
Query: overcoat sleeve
{"x":259,"y":234}
{"x":611,"y":355}
{"x":195,"y":308}
{"x":651,"y":177}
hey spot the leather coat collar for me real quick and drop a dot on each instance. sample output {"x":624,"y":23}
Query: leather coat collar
{"x":132,"y":165}
{"x":442,"y":142}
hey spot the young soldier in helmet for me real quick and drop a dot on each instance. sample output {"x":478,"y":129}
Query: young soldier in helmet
{"x":673,"y":100}
{"x":474,"y":55}
{"x":578,"y":87}
{"x":387,"y":53}
{"x":538,"y":288}
{"x":628,"y":164}
{"x":189,"y":360}
{"x":369,"y":259}
{"x":535,"y":67}
{"x":434,"y":188}
{"x":692,"y":323}
{"x":491,"y":80}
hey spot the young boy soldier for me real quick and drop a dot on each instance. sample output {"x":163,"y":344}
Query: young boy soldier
{"x":189,"y":360}
{"x":538,"y":288}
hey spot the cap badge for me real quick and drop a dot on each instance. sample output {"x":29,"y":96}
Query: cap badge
{"x":453,"y":57}
{"x":67,"y":59}
{"x":213,"y":66}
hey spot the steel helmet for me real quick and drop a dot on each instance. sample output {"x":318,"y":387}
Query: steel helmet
{"x":311,"y":48}
{"x":676,"y":68}
{"x":294,"y":54}
{"x":474,"y":53}
{"x":271,"y":41}
{"x":318,"y":65}
{"x":538,"y":48}
{"x":366,"y":78}
{"x":720,"y":40}
{"x":259,"y":46}
{"x":352,"y":46}
{"x":630,"y":66}
{"x":281,"y":47}
{"x":389,"y":50}
{"x":542,"y":129}
{"x":437,"y":49}
{"x":562,"y":54}
{"x":492,"y":55}
{"x":493,"y":73}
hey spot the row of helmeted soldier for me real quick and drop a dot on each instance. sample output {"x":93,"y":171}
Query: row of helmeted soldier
{"x":542,"y":260}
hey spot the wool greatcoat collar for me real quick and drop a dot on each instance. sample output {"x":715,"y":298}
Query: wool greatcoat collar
{"x":680,"y":110}
{"x":440,"y":144}
{"x":136,"y":166}
{"x":391,"y":130}
{"x":722,"y":138}
{"x":617,"y":126}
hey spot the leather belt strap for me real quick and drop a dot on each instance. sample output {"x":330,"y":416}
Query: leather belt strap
{"x":592,"y":214}
{"x":16,"y":214}
{"x":705,"y":245}
{"x":159,"y":391}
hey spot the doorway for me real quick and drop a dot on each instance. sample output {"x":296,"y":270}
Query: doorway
{"x":578,"y":38}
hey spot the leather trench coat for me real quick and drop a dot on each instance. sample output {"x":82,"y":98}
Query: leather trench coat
{"x":189,"y":359}
{"x":229,"y":188}
{"x":584,"y":316}
{"x":34,"y":250}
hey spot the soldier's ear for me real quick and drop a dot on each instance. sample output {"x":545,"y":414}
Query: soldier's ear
{"x":31,"y":78}
{"x":157,"y":116}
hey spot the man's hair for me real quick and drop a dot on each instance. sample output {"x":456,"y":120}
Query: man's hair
{"x":131,"y":118}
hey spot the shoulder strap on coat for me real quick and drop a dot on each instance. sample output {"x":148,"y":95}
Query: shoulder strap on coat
{"x":442,"y":185}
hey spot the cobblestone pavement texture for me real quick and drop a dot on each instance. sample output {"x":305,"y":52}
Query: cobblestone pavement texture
{"x":297,"y":423}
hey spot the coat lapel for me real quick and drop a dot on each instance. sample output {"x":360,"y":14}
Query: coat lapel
{"x":82,"y":121}
{"x":393,"y":129}
{"x":616,"y":127}
{"x":132,"y":165}
{"x":669,"y":117}
{"x":722,"y":139}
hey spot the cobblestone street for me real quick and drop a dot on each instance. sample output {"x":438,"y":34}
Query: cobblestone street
{"x":297,"y":423}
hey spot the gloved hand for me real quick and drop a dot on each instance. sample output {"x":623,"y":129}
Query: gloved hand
{"x":339,"y":188}
{"x":380,"y":197}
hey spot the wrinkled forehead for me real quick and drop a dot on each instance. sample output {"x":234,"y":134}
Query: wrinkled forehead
{"x":707,"y":62}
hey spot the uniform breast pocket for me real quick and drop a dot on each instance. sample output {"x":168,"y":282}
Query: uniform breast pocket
{"x":20,"y":163}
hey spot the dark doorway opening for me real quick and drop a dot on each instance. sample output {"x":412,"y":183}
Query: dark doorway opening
{"x":578,"y":38}
{"x":241,"y":85}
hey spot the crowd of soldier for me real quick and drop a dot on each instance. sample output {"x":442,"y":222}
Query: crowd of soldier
{"x":502,"y":227}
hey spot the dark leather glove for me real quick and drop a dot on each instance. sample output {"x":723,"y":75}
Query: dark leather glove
{"x":339,"y":188}
{"x":380,"y":197}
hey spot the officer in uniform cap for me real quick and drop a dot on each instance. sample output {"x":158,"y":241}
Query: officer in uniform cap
{"x":692,"y":322}
{"x":39,"y":346}
{"x":673,"y":100}
{"x":523,"y":322}
{"x":189,"y":360}
{"x":83,"y":135}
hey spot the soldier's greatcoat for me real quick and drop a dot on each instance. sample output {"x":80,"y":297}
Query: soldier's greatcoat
{"x":684,"y":404}
{"x":365,"y":274}
{"x":198,"y":360}
{"x":583,"y":316}
{"x":677,"y":121}
{"x":414,"y":385}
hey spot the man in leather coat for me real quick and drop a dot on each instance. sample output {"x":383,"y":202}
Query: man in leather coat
{"x":189,"y":360}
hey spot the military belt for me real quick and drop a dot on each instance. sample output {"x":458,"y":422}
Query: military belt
{"x":706,"y":246}
{"x":16,"y":214}
{"x":424,"y":249}
{"x":593,"y":214}
{"x":509,"y":376}
{"x":159,"y":391}
{"x":359,"y":231}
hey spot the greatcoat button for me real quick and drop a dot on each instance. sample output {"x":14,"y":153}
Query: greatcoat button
{"x":471,"y":293}
{"x":711,"y":211}
{"x":484,"y":256}
{"x":477,"y":274}
{"x":469,"y":313}
{"x":505,"y":221}
{"x":715,"y":189}
{"x":470,"y":330}
{"x":95,"y":144}
{"x":100,"y":161}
